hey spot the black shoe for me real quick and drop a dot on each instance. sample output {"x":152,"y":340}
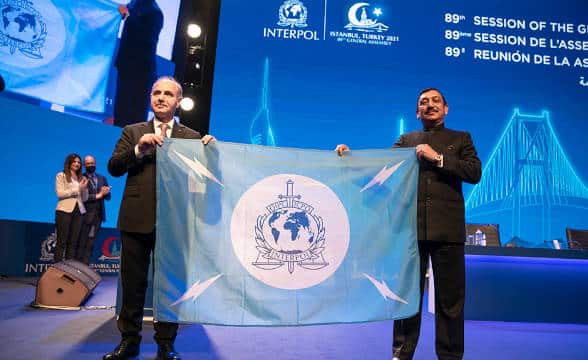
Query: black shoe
{"x":167,"y":352}
{"x":127,"y":349}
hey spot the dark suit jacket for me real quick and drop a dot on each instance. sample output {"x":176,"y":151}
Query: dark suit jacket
{"x":137,"y":208}
{"x":441,"y":209}
{"x":138,"y":42}
{"x":95,"y":207}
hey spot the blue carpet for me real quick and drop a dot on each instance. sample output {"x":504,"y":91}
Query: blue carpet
{"x":29,"y":333}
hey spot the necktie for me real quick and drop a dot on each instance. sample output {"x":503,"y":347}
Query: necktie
{"x":163,"y":127}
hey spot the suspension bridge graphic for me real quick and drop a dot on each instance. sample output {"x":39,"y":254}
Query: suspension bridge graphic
{"x":528,"y":176}
{"x":260,"y":127}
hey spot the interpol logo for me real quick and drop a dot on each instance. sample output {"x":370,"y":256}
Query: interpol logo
{"x":292,"y":13}
{"x":290,"y":231}
{"x":48,"y":246}
{"x":24,"y":28}
{"x":293,"y":17}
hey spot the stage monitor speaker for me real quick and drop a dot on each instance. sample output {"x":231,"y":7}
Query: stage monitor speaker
{"x":66,"y":284}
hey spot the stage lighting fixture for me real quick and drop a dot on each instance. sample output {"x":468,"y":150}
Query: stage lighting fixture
{"x":187,"y":104}
{"x":194,"y":31}
{"x":194,"y":66}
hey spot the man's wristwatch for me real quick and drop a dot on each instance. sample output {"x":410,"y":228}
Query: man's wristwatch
{"x":439,"y":159}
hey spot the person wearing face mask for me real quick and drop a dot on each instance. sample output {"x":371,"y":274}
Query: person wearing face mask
{"x":98,"y":191}
{"x":446,"y":159}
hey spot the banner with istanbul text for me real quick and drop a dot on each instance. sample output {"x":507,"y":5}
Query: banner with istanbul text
{"x":256,"y":235}
{"x":59,"y":51}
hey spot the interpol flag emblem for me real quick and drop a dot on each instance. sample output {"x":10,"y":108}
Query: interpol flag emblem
{"x":255,"y":235}
{"x":276,"y":230}
{"x":59,"y":51}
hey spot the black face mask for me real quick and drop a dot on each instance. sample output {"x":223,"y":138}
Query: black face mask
{"x":90,"y":169}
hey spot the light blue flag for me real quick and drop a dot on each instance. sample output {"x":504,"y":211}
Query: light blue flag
{"x":256,"y":235}
{"x":59,"y":51}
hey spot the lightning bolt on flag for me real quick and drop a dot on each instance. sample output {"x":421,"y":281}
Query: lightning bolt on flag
{"x":256,"y":235}
{"x":59,"y":51}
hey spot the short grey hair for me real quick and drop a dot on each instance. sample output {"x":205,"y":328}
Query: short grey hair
{"x":171,"y":79}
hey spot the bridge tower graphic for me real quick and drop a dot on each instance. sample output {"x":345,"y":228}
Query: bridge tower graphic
{"x":260,"y":127}
{"x":528,"y":179}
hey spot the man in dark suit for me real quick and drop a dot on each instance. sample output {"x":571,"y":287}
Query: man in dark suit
{"x":136,"y":60}
{"x":134,"y":155}
{"x":446,"y":159}
{"x":98,"y":191}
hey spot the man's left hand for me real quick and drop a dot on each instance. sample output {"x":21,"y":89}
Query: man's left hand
{"x":425,"y":151}
{"x":123,"y":10}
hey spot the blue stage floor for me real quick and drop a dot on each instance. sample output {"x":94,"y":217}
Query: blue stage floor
{"x":29,"y":333}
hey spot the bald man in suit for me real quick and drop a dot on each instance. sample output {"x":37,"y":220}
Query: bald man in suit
{"x":134,"y":155}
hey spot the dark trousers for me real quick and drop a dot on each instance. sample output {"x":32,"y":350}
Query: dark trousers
{"x":131,"y":101}
{"x":137,"y":250}
{"x":448,"y":262}
{"x":88,"y":233}
{"x":67,"y":226}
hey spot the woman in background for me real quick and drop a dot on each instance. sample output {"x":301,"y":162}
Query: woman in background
{"x":72,"y":190}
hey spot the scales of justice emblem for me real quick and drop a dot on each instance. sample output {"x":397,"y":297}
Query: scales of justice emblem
{"x":290,"y":233}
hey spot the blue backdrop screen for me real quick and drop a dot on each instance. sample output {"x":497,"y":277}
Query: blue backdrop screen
{"x":313,"y":74}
